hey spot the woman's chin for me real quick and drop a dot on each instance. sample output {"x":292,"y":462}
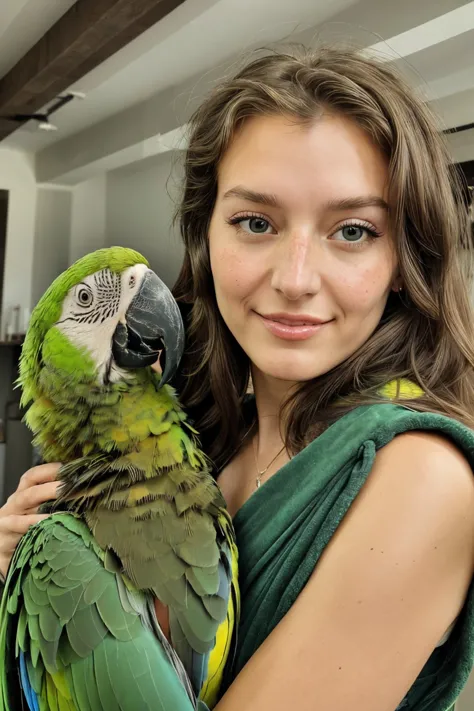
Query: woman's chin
{"x":291,"y":372}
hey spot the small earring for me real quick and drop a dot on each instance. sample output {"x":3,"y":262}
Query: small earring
{"x":400,"y":288}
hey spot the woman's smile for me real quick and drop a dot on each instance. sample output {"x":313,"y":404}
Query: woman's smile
{"x":292,"y":327}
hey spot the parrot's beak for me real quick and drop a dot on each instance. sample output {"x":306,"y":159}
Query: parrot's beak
{"x":153,"y":324}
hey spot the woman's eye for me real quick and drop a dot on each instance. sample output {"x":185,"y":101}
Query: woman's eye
{"x":355,"y":234}
{"x":254,"y":225}
{"x":84,"y":297}
{"x":352,"y":233}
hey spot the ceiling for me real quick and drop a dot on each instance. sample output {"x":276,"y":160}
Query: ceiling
{"x":22,"y":23}
{"x":195,"y":37}
{"x":433,"y":40}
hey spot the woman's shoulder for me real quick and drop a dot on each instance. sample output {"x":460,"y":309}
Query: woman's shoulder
{"x":430,"y":461}
{"x":398,"y":412}
{"x":427,"y":454}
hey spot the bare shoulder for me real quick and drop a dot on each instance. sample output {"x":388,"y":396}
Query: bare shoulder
{"x":431,"y":451}
{"x":389,"y":584}
{"x":428,"y":469}
{"x":418,"y":501}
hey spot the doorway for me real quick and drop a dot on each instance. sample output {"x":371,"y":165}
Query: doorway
{"x":3,"y":237}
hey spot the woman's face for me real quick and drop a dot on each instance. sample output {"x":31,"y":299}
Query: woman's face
{"x":301,"y":253}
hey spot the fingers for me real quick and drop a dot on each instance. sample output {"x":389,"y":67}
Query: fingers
{"x":28,"y":500}
{"x":12,"y":528}
{"x":17,"y":525}
{"x":39,"y":475}
{"x":21,"y":510}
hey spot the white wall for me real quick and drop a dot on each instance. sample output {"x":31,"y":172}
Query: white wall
{"x":461,"y":145}
{"x":52,"y":236}
{"x":141,"y":200}
{"x":50,"y":227}
{"x":88,"y":224}
{"x":18,"y":177}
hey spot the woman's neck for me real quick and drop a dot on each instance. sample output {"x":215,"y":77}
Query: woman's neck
{"x":270,"y":394}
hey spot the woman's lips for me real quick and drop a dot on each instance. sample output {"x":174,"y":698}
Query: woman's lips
{"x":289,"y":328}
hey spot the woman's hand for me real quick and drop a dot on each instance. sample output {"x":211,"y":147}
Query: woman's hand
{"x":21,"y":510}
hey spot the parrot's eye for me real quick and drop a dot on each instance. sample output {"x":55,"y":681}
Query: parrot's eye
{"x":84,"y":297}
{"x":132,"y":281}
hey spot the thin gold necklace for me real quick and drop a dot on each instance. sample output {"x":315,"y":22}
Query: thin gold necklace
{"x":260,"y":473}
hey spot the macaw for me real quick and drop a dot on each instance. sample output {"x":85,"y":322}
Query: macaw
{"x":126,"y":597}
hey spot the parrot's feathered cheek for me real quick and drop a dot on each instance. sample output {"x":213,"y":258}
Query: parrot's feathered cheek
{"x":153,"y":323}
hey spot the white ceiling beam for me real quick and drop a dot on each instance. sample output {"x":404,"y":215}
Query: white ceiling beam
{"x":430,"y":33}
{"x":450,"y":85}
{"x":174,"y":140}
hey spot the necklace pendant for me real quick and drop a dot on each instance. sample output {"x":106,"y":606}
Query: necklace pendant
{"x":258,"y":480}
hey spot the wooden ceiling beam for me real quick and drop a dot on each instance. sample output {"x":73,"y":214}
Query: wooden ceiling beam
{"x":84,"y":37}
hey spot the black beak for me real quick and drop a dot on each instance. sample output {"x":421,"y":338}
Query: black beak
{"x":153,"y":324}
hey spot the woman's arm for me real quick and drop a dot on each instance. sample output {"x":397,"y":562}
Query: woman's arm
{"x":391,"y":581}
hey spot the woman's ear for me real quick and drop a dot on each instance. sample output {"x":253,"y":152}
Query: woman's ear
{"x":397,"y":285}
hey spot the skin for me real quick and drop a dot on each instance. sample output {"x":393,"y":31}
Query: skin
{"x":387,"y":586}
{"x":20,"y":512}
{"x":304,"y":264}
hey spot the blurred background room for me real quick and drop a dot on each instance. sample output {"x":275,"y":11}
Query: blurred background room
{"x":94,"y":100}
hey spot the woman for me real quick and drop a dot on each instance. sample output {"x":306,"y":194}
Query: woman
{"x":324,"y":258}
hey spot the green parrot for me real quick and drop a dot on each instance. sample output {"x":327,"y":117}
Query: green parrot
{"x":139,"y":518}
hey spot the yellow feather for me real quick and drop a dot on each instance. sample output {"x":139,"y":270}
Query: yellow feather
{"x":58,"y":696}
{"x":220,"y":654}
{"x":403,"y":389}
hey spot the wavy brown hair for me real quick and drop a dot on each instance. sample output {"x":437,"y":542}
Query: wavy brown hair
{"x":424,"y":335}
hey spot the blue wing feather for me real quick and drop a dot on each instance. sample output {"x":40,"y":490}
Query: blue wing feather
{"x":30,"y":694}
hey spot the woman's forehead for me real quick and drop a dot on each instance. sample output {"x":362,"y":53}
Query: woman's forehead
{"x":333,"y":157}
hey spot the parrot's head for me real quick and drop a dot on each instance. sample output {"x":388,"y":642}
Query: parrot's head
{"x":105,"y":316}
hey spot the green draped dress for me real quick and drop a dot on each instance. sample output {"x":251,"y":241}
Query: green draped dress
{"x":284,"y":527}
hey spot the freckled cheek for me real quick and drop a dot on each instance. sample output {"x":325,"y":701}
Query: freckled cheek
{"x":362,"y":289}
{"x":233,"y":274}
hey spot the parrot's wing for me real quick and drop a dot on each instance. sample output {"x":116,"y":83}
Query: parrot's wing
{"x":226,"y":638}
{"x":70,"y":638}
{"x":210,"y":613}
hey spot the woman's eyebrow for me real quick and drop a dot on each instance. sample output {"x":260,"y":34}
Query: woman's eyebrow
{"x":350,"y":203}
{"x":353,"y":203}
{"x":246,"y":194}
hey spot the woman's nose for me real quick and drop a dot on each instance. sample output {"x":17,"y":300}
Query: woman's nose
{"x":295,"y":272}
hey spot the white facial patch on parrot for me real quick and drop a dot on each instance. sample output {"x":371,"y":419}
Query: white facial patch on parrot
{"x":93,"y":309}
